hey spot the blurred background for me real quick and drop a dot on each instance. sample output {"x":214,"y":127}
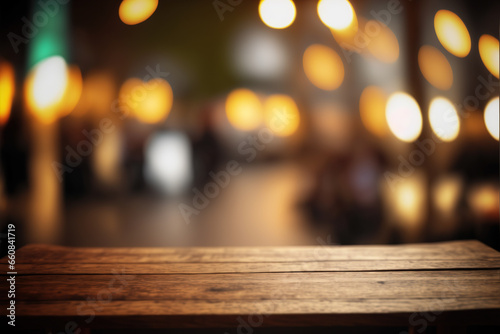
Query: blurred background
{"x":249,"y":123}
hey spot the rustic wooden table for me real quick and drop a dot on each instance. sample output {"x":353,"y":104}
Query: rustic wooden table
{"x":418,"y":285}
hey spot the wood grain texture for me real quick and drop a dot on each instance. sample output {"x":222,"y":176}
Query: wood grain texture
{"x":454,"y":251}
{"x":254,"y":267}
{"x":289,"y":286}
{"x":458,"y":282}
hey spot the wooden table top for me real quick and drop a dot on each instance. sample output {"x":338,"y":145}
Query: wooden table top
{"x":454,"y":282}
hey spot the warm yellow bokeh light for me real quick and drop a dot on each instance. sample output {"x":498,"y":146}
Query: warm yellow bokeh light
{"x":73,"y":91}
{"x":488,"y":50}
{"x":444,"y":119}
{"x":484,"y":200}
{"x":7,"y":89}
{"x":98,"y":93}
{"x":446,"y":194}
{"x":281,"y":115}
{"x":381,"y":43}
{"x":277,"y":14}
{"x":243,"y":109}
{"x":491,"y":117}
{"x":45,"y":88}
{"x":323,"y":67}
{"x":452,"y":33}
{"x":403,"y":116}
{"x":336,"y":14}
{"x":369,"y":38}
{"x":150,"y":102}
{"x":136,"y":11}
{"x":372,"y":110}
{"x":409,"y":198}
{"x":346,"y":37}
{"x":435,"y":67}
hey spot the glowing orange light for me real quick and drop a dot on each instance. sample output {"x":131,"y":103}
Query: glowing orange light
{"x":243,"y":109}
{"x":488,"y":50}
{"x":323,"y":67}
{"x":7,"y":88}
{"x":446,"y":193}
{"x":381,"y":41}
{"x":452,"y":33}
{"x":435,"y":67}
{"x":277,"y":14}
{"x":136,"y":11}
{"x":98,"y":93}
{"x":484,"y":200}
{"x":73,"y":91}
{"x":150,"y":102}
{"x":281,"y":115}
{"x":372,"y":110}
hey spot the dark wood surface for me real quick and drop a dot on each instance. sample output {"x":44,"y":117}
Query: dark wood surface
{"x":453,"y":283}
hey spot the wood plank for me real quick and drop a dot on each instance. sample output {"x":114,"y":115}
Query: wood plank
{"x":285,"y":286}
{"x":259,"y":286}
{"x":456,"y":250}
{"x":207,"y":313}
{"x":241,"y":267}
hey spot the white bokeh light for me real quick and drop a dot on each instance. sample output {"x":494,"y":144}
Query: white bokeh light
{"x":49,"y":81}
{"x":168,"y":164}
{"x":491,"y":117}
{"x":403,"y":116}
{"x":336,"y":14}
{"x":444,"y":119}
{"x":277,"y":14}
{"x":260,"y":54}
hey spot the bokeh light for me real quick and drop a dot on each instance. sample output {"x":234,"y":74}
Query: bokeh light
{"x":382,"y":43}
{"x":336,"y":14}
{"x":257,"y":54}
{"x":484,"y":200}
{"x":277,"y":14}
{"x":444,"y":119}
{"x":491,"y":118}
{"x":403,"y":116}
{"x":409,"y":198}
{"x":7,"y":89}
{"x":446,"y":194}
{"x":323,"y":67}
{"x":136,"y":11}
{"x":244,"y":109}
{"x":488,"y":50}
{"x":150,"y":102}
{"x":452,"y":33}
{"x":73,"y":91}
{"x":45,"y":87}
{"x":281,"y":115}
{"x":372,"y":110}
{"x":435,"y":67}
{"x":98,"y":92}
{"x":168,"y":165}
